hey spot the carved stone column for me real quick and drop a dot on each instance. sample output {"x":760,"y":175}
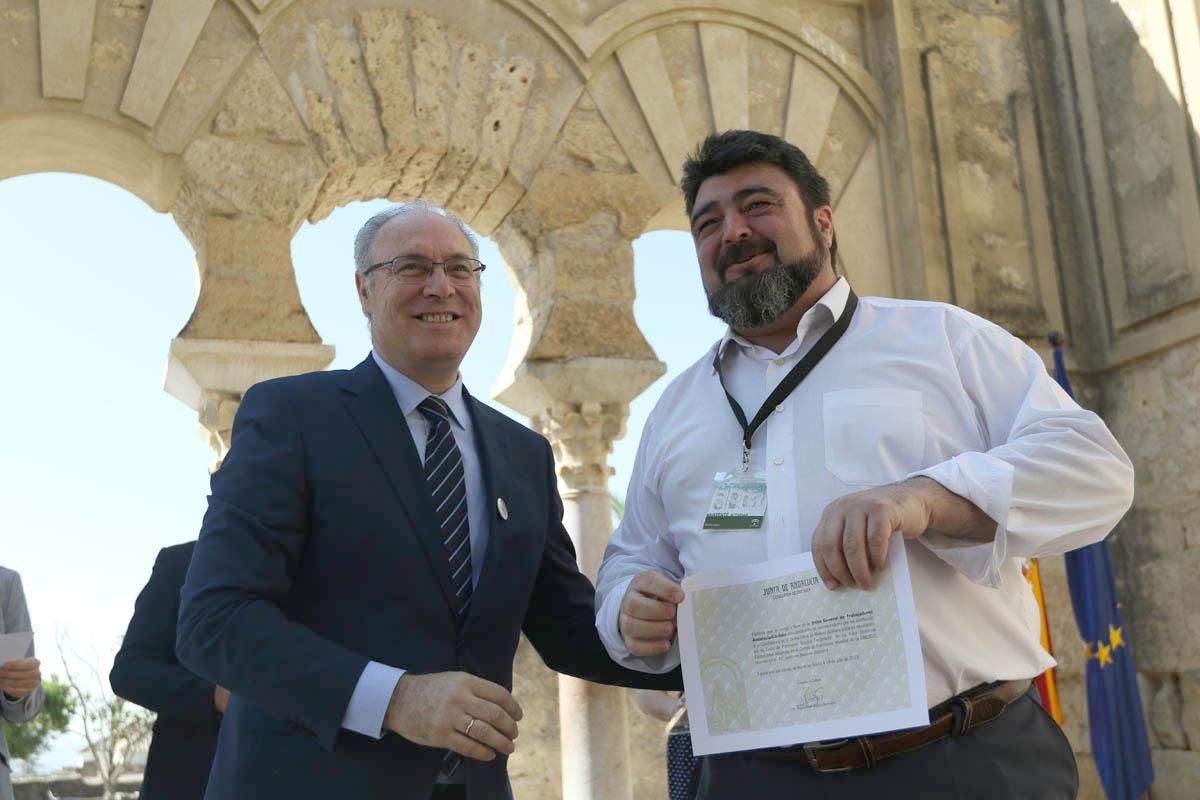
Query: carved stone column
{"x":592,"y":718}
{"x":577,"y":360}
{"x":593,"y":724}
{"x":580,"y":360}
{"x":248,"y":324}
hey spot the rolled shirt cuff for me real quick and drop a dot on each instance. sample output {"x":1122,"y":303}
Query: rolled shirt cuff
{"x":608,"y":626}
{"x":987,"y":482}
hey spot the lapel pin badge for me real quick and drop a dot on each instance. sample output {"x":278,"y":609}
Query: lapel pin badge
{"x":502,"y":508}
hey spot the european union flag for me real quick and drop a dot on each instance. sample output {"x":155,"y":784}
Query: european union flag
{"x":1119,"y":741}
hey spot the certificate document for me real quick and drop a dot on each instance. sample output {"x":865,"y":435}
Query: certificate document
{"x":772,"y":658}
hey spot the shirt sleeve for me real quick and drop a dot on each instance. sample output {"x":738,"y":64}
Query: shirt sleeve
{"x":369,"y":702}
{"x":640,"y":543}
{"x":1054,"y":478}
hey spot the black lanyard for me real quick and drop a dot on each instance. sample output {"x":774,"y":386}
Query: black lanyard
{"x":790,"y":381}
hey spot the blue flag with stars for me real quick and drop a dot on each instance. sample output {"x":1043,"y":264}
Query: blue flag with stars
{"x":1119,"y":742}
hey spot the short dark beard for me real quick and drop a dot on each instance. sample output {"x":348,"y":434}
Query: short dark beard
{"x":759,"y":299}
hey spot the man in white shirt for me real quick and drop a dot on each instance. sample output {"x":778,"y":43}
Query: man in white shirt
{"x":911,"y":417}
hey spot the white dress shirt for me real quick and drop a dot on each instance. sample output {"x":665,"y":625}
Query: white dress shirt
{"x":912,"y":388}
{"x":369,"y":702}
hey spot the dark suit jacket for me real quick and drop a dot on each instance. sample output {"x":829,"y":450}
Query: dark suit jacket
{"x":147,"y":672}
{"x":320,"y":552}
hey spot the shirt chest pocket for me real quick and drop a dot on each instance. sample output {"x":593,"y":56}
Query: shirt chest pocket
{"x":873,"y":436}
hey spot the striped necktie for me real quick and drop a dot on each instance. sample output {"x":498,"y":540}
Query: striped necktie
{"x":448,"y":489}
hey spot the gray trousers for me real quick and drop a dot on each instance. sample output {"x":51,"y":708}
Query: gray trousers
{"x":1022,"y":754}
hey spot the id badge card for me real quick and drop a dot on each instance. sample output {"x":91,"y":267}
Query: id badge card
{"x":739,"y":501}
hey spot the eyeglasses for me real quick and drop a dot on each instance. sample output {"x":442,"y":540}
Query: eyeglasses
{"x":459,"y":270}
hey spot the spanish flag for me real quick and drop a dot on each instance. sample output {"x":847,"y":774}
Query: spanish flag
{"x":1046,"y":683}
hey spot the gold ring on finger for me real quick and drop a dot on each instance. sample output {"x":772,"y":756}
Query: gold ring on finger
{"x":467,"y":732}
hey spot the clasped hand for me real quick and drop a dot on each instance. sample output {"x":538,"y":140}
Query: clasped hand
{"x":20,"y":677}
{"x":437,"y":710}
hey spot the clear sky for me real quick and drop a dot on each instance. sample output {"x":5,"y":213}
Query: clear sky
{"x":100,"y":468}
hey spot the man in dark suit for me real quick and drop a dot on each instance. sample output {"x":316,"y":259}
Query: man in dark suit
{"x":147,"y":672}
{"x":375,"y":543}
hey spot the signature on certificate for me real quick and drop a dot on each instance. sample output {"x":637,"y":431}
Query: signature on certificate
{"x":811,"y":699}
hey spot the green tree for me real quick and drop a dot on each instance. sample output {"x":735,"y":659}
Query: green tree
{"x":27,"y":740}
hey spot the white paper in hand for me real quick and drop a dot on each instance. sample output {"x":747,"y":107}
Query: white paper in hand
{"x":15,"y":645}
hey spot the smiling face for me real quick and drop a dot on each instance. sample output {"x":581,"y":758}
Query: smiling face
{"x":424,"y":329}
{"x":764,"y":259}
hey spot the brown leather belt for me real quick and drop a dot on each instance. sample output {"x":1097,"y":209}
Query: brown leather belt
{"x":955,"y":717}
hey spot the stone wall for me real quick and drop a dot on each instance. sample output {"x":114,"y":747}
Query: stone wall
{"x":1153,"y":406}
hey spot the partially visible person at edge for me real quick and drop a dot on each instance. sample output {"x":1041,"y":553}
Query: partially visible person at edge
{"x":21,"y":692}
{"x":146,"y":671}
{"x":683,"y":767}
{"x":923,"y":421}
{"x":376,"y":541}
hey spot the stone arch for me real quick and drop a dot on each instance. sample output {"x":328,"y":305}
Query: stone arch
{"x":665,"y":74}
{"x":55,"y":141}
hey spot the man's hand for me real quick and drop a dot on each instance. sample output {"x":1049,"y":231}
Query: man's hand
{"x":220,"y":698}
{"x":850,"y":543}
{"x":20,"y":677}
{"x":647,"y":620}
{"x":437,"y":708}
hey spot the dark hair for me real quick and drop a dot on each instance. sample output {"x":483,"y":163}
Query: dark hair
{"x":722,"y":152}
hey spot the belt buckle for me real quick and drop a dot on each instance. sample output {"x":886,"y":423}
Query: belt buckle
{"x":810,"y":751}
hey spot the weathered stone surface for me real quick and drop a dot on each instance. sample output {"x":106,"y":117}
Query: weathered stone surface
{"x":253,"y":176}
{"x":248,"y":288}
{"x":20,"y":86}
{"x":1138,"y":115}
{"x":586,"y":141}
{"x":352,"y":92}
{"x":848,"y":137}
{"x":648,"y":751}
{"x":257,"y":106}
{"x":1175,"y":774}
{"x":770,"y":77}
{"x":507,"y":95}
{"x":1165,"y":716}
{"x":1090,"y":787}
{"x":382,"y":35}
{"x":66,"y":42}
{"x":584,"y":260}
{"x":468,"y":81}
{"x":535,"y":769}
{"x":1072,"y":694}
{"x":560,"y":197}
{"x":116,"y":32}
{"x":1160,"y":612}
{"x":685,"y":64}
{"x":431,"y":69}
{"x":1189,"y":715}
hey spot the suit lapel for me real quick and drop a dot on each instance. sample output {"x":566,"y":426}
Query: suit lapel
{"x":494,"y":457}
{"x":370,"y":401}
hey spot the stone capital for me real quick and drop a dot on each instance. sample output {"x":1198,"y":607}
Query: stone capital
{"x":211,"y":375}
{"x":582,"y":435}
{"x":580,"y":405}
